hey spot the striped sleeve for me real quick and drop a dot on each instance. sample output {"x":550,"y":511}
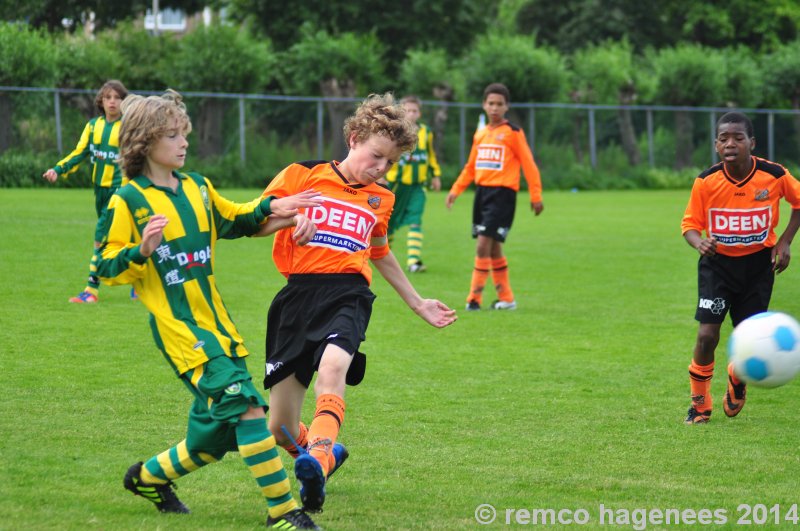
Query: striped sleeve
{"x":119,"y":260}
{"x":234,"y":220}
{"x":72,"y":162}
{"x":432,"y":162}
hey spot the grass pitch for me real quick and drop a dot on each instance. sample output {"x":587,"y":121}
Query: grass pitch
{"x":572,"y":405}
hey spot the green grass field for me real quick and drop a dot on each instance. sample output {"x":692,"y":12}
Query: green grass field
{"x":575,"y":400}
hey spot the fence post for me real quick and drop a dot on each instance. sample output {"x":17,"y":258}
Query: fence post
{"x":57,"y":105}
{"x":712,"y":128}
{"x":242,"y":152}
{"x":650,"y":149}
{"x":462,"y":127}
{"x":771,"y":136}
{"x":320,"y":140}
{"x":592,"y":140}
{"x":531,"y":128}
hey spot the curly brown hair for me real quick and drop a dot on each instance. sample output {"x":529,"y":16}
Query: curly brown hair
{"x":144,"y":121}
{"x":381,"y":115}
{"x":111,"y":84}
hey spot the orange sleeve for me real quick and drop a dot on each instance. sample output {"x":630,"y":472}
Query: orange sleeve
{"x":529,"y":167}
{"x":694,"y":218}
{"x":467,"y":175}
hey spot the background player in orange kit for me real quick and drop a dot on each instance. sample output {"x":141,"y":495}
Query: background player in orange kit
{"x":319,"y":319}
{"x":736,"y":203}
{"x":498,"y":152}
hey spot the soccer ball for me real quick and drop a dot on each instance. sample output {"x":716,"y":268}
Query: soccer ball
{"x":765,"y":349}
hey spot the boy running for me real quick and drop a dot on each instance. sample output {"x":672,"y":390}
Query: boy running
{"x":161,"y":231}
{"x":736,"y":204}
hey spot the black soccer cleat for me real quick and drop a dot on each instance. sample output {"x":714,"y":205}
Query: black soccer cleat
{"x":297,"y":519}
{"x":697,"y":417}
{"x":161,"y":495}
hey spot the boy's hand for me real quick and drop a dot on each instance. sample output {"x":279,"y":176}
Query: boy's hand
{"x":287,"y":207}
{"x":781,"y":255}
{"x":50,"y":175}
{"x":537,"y":207}
{"x":436,"y":313}
{"x":152,"y":234}
{"x":448,"y":202}
{"x":707,"y":246}
{"x":304,"y":229}
{"x":436,"y":184}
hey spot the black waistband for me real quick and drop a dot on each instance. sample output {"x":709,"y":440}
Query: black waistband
{"x":328,"y":278}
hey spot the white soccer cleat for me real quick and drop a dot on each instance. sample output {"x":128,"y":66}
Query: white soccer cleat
{"x":503,"y":305}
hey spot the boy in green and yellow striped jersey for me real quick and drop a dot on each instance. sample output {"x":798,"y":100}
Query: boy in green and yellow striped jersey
{"x":407,"y":179}
{"x":99,"y":142}
{"x":160,"y":235}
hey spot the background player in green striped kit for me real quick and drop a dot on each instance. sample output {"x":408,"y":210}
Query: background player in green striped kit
{"x":407,"y":179}
{"x":100,"y":142}
{"x":161,"y":231}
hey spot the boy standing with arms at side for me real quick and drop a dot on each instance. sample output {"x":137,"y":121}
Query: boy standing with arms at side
{"x":161,"y":235}
{"x":317,"y":322}
{"x":407,"y":179}
{"x":498,"y":151}
{"x":100,"y":142}
{"x":737,"y":204}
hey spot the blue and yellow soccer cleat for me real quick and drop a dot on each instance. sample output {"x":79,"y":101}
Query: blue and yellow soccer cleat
{"x":309,"y":473}
{"x":161,"y":495}
{"x":297,"y":519}
{"x":84,"y":297}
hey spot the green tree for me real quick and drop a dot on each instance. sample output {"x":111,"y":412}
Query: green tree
{"x":429,"y":73}
{"x":341,"y":66}
{"x":782,"y":69}
{"x":401,"y":26}
{"x":531,"y":73}
{"x":132,"y":44}
{"x":27,"y":59}
{"x":219,"y":59}
{"x":690,"y":76}
{"x":608,"y":74}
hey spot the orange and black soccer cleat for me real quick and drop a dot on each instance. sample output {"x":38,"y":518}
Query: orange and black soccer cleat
{"x":735,"y":395}
{"x":697,"y":417}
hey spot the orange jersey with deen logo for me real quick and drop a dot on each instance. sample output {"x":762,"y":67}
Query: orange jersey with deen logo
{"x":351,"y":222}
{"x":740,"y":215}
{"x":495,"y":159}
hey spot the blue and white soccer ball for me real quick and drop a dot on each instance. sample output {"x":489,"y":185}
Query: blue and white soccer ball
{"x":765,"y":349}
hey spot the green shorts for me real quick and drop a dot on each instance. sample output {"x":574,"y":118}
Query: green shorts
{"x":222,"y":393}
{"x":102,"y":195}
{"x":409,"y":203}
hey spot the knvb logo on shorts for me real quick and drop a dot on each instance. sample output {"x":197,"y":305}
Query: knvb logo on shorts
{"x":490,"y":157}
{"x":749,"y":226}
{"x":716,"y":306}
{"x":342,"y":226}
{"x":233,"y":389}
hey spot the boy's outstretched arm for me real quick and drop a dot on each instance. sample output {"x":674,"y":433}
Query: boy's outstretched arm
{"x":781,"y":253}
{"x":434,"y":312}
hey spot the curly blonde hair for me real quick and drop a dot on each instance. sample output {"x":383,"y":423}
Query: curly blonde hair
{"x":381,"y":115}
{"x":144,"y":121}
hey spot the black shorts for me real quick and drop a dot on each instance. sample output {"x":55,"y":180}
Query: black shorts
{"x":493,"y":211}
{"x":310,"y":312}
{"x":741,"y":285}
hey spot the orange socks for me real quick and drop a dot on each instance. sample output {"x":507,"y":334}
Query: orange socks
{"x":301,"y":441}
{"x":324,"y":429}
{"x":479,"y":275}
{"x":700,"y":382}
{"x":500,"y":277}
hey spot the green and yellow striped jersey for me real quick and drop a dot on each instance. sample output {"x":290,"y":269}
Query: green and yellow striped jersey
{"x":99,"y":141}
{"x":176,"y":283}
{"x":413,"y":166}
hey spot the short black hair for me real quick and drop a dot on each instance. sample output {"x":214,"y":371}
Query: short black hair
{"x":497,"y":88}
{"x":737,"y":118}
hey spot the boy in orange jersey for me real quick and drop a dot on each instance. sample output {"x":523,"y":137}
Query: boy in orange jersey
{"x":319,"y":319}
{"x":498,"y":152}
{"x":736,"y":203}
